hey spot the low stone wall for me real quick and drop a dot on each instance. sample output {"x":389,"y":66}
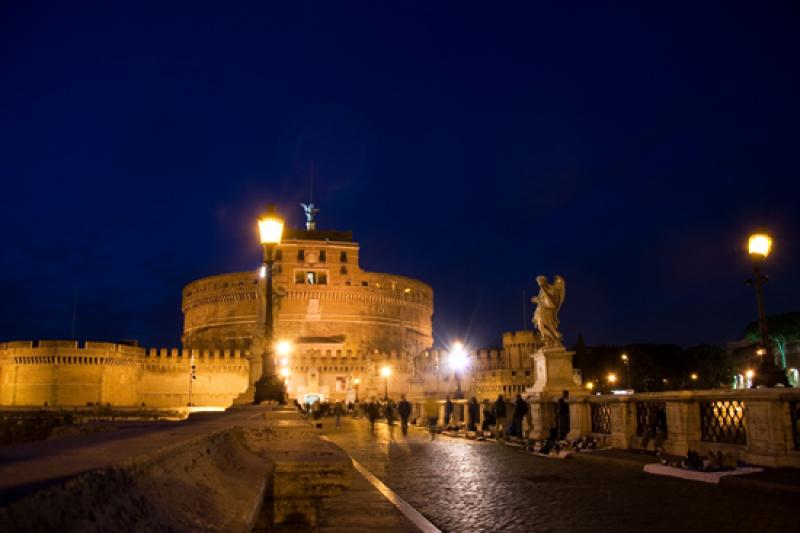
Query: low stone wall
{"x":758,"y":426}
{"x":259,"y":467}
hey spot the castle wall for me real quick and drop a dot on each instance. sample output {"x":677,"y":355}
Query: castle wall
{"x":321,"y":292}
{"x":63,"y":373}
{"x":221,"y":375}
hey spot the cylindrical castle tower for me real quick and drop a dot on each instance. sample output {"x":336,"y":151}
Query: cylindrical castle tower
{"x":339,"y":318}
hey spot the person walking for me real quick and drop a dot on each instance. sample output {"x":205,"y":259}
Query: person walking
{"x":448,"y":411}
{"x":562,"y":411}
{"x":338,"y":411}
{"x":520,"y":410}
{"x":488,"y":417}
{"x":432,"y":415}
{"x":391,"y":417}
{"x":404,"y":410}
{"x":373,"y":412}
{"x":499,"y":416}
{"x":474,"y":414}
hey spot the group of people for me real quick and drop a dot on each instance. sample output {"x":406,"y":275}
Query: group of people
{"x":492,"y":417}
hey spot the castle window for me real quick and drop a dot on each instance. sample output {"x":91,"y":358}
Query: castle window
{"x":301,"y":255}
{"x":316,"y":278}
{"x":298,"y":277}
{"x":322,"y":256}
{"x":343,"y":257}
{"x":343,"y":271}
{"x":365,"y":283}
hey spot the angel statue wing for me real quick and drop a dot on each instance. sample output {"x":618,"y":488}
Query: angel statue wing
{"x":559,"y":292}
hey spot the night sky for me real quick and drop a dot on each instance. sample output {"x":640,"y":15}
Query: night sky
{"x":470,"y":145}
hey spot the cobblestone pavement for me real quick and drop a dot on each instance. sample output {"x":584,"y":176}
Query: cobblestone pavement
{"x":464,"y":485}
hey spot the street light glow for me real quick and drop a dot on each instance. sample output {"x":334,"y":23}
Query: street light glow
{"x":694,"y":376}
{"x":589,"y":385}
{"x":283,"y":348}
{"x":270,"y":227}
{"x":759,"y":245}
{"x":386,"y":371}
{"x":458,"y":359}
{"x":624,"y":357}
{"x":749,"y":374}
{"x":612,"y":377}
{"x":285,"y":372}
{"x":356,"y":381}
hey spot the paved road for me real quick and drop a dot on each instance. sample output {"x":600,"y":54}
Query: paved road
{"x":475,"y":486}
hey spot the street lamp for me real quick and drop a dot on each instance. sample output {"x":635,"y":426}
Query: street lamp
{"x":386,"y":371}
{"x":612,"y":378}
{"x":627,"y":362}
{"x":283,"y":349}
{"x":458,"y":362}
{"x":356,"y":383}
{"x":270,"y":229}
{"x":759,"y":245}
{"x":589,"y":385}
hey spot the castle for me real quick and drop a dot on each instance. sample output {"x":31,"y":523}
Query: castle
{"x":343,"y":325}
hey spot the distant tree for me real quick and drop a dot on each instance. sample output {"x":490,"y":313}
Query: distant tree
{"x":711,"y":363}
{"x":783,"y":329}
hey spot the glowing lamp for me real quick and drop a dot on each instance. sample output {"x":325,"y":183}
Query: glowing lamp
{"x":285,"y":372}
{"x":356,"y":381}
{"x":694,"y":376}
{"x":283,"y":348}
{"x":386,"y":371}
{"x":589,"y":385}
{"x":612,"y":378}
{"x":749,"y":374}
{"x":270,"y":227}
{"x":624,"y":357}
{"x":458,"y":359}
{"x":759,"y":245}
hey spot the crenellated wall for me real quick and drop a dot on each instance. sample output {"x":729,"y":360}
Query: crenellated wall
{"x":64,"y":373}
{"x":220,"y":376}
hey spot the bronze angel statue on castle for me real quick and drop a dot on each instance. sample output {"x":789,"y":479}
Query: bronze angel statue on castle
{"x":548,"y":304}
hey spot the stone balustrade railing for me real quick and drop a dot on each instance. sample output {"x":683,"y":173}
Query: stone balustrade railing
{"x":758,"y":426}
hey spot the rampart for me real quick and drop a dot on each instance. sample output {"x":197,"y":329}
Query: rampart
{"x":64,"y":373}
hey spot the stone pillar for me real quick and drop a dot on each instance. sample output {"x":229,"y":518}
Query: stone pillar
{"x":683,"y":425}
{"x":623,"y":424}
{"x":769,"y":436}
{"x":580,"y":419}
{"x":542,"y":415}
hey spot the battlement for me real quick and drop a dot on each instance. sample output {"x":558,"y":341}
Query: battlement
{"x":56,"y":347}
{"x":186,"y":354}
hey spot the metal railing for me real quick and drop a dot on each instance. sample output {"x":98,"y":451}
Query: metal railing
{"x":722,"y":421}
{"x":601,"y":418}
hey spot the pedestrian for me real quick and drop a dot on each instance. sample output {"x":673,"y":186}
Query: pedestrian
{"x":404,"y":410}
{"x":562,"y":411}
{"x":432,"y":414}
{"x":474,"y":414}
{"x":488,"y":417}
{"x":499,"y":416}
{"x":373,"y":412}
{"x":391,"y":417}
{"x":338,"y":411}
{"x":448,"y":411}
{"x":520,"y":410}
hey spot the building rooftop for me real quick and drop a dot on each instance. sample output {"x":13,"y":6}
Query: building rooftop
{"x":317,"y":235}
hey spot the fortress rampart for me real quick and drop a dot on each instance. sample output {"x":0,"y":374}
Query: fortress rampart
{"x":65,"y":373}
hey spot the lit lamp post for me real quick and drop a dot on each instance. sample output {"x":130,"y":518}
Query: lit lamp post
{"x":627,"y":362}
{"x":458,"y":362}
{"x":270,"y":229}
{"x":356,"y":383}
{"x":759,"y":246}
{"x":386,"y":372}
{"x":612,"y":379}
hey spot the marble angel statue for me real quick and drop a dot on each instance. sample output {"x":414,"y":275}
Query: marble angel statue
{"x":548,"y":304}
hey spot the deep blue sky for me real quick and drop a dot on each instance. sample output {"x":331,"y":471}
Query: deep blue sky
{"x":471,"y":145}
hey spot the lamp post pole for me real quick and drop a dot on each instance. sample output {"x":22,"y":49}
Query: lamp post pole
{"x":270,"y":227}
{"x":770,"y":374}
{"x":386,"y":388}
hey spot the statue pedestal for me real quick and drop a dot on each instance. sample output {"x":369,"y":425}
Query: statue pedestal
{"x":553,"y":368}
